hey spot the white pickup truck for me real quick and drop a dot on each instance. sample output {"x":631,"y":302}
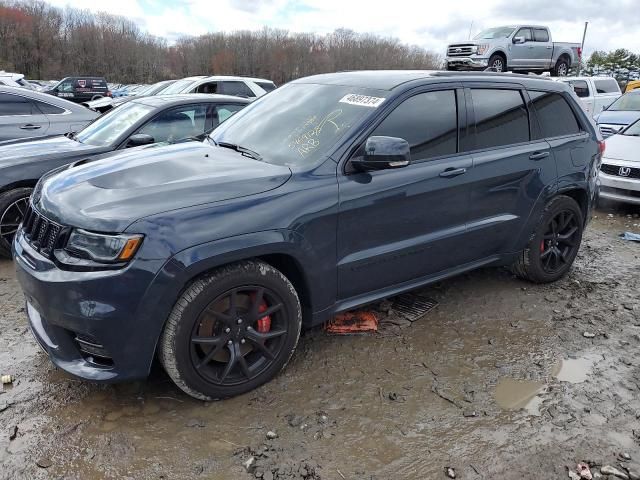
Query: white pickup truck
{"x":595,"y":93}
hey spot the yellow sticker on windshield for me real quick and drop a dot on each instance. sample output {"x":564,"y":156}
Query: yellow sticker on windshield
{"x":362,"y":100}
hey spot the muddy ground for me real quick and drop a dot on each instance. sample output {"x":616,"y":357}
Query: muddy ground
{"x":503,"y":379}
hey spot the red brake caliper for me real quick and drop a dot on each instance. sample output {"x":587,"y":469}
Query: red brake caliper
{"x":542,"y":246}
{"x":264,"y":323}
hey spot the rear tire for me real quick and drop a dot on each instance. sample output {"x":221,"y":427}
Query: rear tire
{"x":217,"y":343}
{"x":554,"y":244}
{"x":561,"y":69}
{"x":13,"y":206}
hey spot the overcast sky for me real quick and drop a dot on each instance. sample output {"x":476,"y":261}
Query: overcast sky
{"x":612,"y":23}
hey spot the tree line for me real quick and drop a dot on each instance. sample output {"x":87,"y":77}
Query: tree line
{"x":622,"y":64}
{"x":42,"y":41}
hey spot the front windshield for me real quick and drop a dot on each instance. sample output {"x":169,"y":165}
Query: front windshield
{"x":633,"y":130}
{"x":177,"y":87}
{"x":113,"y":124}
{"x":298,"y":123}
{"x":497,"y":32}
{"x":627,"y":102}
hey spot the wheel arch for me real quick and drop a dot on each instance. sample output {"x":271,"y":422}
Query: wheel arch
{"x":503,"y":55}
{"x":581,"y":197}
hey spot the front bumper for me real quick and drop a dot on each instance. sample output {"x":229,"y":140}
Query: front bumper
{"x":101,"y":326}
{"x":467,"y":63}
{"x":619,"y":189}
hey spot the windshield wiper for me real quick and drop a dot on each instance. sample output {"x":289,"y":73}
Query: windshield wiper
{"x":242,"y":150}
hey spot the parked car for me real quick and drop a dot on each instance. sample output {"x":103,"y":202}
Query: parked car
{"x":80,"y":89}
{"x":222,"y":84}
{"x":620,"y":171}
{"x":632,"y":85}
{"x":621,"y":113}
{"x":8,"y":79}
{"x":28,"y":114}
{"x":519,"y":48}
{"x":142,"y":121}
{"x":595,"y":93}
{"x":105,"y":104}
{"x":331,"y":192}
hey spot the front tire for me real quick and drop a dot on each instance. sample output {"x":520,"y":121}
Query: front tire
{"x":498,"y":63}
{"x":554,"y":244}
{"x":231,"y":331}
{"x":13,"y":206}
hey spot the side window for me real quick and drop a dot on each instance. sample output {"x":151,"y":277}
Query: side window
{"x":177,"y":124}
{"x":555,"y":115}
{"x":501,"y":118}
{"x":48,"y":109}
{"x":606,"y":85}
{"x":14,"y":105}
{"x":580,"y":87}
{"x":222,"y":112}
{"x":428,"y":121}
{"x":267,"y":86}
{"x":237,"y":89}
{"x":540,"y":35}
{"x":211,"y":87}
{"x":526,"y":33}
{"x":66,"y":86}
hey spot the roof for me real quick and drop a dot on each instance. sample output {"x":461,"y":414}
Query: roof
{"x":390,"y":79}
{"x":41,"y":96}
{"x":183,"y":99}
{"x":234,"y":77}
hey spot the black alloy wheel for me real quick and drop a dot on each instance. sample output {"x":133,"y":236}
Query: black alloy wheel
{"x":13,"y":207}
{"x":560,"y":242}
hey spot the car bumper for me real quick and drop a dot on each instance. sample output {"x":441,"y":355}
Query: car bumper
{"x":100,"y":326}
{"x":619,"y":189}
{"x":467,"y":63}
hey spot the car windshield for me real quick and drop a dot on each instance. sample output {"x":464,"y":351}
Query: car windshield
{"x":627,"y":102}
{"x":113,"y":124}
{"x":497,"y":32}
{"x":177,"y":87}
{"x":298,"y":123}
{"x":633,"y":130}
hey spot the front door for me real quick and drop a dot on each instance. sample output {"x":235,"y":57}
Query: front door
{"x":398,"y":226}
{"x":522,"y":53}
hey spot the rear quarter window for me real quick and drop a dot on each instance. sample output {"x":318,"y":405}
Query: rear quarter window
{"x":555,"y":115}
{"x":606,"y":85}
{"x":48,"y":109}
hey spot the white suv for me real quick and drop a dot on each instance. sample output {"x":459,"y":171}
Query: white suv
{"x":223,"y":84}
{"x":14,"y":80}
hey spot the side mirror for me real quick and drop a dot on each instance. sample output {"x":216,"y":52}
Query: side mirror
{"x":382,"y":153}
{"x":518,"y":40}
{"x":140,"y":139}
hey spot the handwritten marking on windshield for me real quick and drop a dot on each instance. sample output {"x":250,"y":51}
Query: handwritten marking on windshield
{"x":308,"y":141}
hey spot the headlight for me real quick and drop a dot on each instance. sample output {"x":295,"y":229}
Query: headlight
{"x":482,"y":48}
{"x":104,"y":248}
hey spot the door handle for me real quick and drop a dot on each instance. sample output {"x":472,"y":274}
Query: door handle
{"x":30,"y":126}
{"x":549,"y":47}
{"x":538,"y":155}
{"x":452,"y":172}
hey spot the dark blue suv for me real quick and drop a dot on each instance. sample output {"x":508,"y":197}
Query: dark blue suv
{"x":331,"y":192}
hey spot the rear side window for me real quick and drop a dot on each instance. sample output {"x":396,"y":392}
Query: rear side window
{"x":267,"y":86}
{"x":238,"y":89}
{"x":501,"y":118}
{"x":540,"y":35}
{"x":606,"y":85}
{"x":428,"y":121}
{"x":579,"y":86}
{"x":555,"y":115}
{"x":14,"y":105}
{"x":48,"y":109}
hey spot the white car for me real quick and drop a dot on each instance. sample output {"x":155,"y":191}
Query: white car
{"x":595,"y":93}
{"x":619,"y":177}
{"x":14,"y":80}
{"x":222,"y":84}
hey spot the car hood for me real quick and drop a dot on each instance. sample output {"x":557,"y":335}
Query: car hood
{"x":623,"y":147}
{"x":108,"y":195}
{"x":621,"y":117}
{"x":16,"y":152}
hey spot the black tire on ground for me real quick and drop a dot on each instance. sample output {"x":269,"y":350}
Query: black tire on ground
{"x":13,"y":206}
{"x":561,"y":68}
{"x":497,"y":61}
{"x":554,"y":244}
{"x":216,"y":343}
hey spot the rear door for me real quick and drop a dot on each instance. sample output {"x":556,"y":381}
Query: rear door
{"x":541,"y":48}
{"x":511,"y":167}
{"x":19,"y":118}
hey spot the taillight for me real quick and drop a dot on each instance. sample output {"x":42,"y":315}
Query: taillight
{"x":602,"y":147}
{"x":109,"y":94}
{"x":579,"y":52}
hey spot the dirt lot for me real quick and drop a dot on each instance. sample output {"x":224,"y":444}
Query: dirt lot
{"x":502,"y":380}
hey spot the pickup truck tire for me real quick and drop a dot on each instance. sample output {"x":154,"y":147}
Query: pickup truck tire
{"x":13,"y":206}
{"x":231,"y":330}
{"x":554,"y":244}
{"x":497,"y":61}
{"x":561,"y":69}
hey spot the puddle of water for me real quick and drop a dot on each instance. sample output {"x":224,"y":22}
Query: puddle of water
{"x":575,"y":370}
{"x":513,"y":394}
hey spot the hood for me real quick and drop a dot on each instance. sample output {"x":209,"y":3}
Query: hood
{"x":621,"y":117}
{"x":108,"y":195}
{"x":106,"y":102}
{"x":29,"y":150}
{"x":622,"y":147}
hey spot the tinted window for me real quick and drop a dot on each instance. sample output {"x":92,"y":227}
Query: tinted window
{"x":579,"y":86}
{"x":14,"y":105}
{"x":238,"y":89}
{"x":267,"y":86}
{"x":540,"y":35}
{"x":555,"y":116}
{"x":524,"y":32}
{"x":501,"y":118}
{"x":606,"y":85}
{"x":211,"y":87}
{"x":177,"y":124}
{"x":48,"y":108}
{"x":428,"y":121}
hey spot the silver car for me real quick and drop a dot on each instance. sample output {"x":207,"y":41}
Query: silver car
{"x":26,"y":113}
{"x":620,"y":170}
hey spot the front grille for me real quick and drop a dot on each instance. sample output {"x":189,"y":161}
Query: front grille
{"x":620,"y":191}
{"x":41,"y":233}
{"x":460,"y":50}
{"x":619,"y":171}
{"x":608,"y":130}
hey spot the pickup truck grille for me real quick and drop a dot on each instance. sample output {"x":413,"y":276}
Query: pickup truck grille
{"x":460,"y":50}
{"x":41,"y":233}
{"x":608,"y":130}
{"x":616,"y":170}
